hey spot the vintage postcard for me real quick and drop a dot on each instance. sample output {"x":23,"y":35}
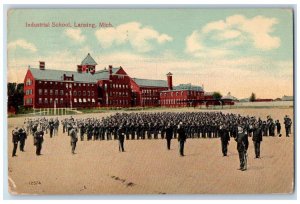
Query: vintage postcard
{"x":150,"y":101}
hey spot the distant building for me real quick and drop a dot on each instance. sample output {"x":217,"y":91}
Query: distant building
{"x":112,"y":87}
{"x":287,"y":98}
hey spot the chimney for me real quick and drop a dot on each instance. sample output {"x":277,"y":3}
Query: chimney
{"x":110,"y":71}
{"x":79,"y":68}
{"x":42,"y":65}
{"x":170,"y":82}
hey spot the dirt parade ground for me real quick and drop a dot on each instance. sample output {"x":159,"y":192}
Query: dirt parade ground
{"x":147,"y":167}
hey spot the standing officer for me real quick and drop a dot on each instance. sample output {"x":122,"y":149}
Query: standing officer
{"x":121,"y":138}
{"x":38,"y":141}
{"x":242,"y":146}
{"x":225,"y":138}
{"x":257,"y":139}
{"x":51,"y":127}
{"x":23,"y":137}
{"x":169,"y":135}
{"x":74,"y":138}
{"x":15,"y":140}
{"x":278,"y":127}
{"x":287,"y":124}
{"x":181,"y":138}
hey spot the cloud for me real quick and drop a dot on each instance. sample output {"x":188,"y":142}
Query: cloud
{"x":75,"y":34}
{"x":234,"y":31}
{"x":140,"y":37}
{"x":22,"y":44}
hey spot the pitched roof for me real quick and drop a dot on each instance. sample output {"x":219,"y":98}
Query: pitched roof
{"x":150,"y":82}
{"x":56,"y":75}
{"x":88,"y":60}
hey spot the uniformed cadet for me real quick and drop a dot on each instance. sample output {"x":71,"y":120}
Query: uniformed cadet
{"x":278,"y":127}
{"x":38,"y":141}
{"x":23,"y":137}
{"x":242,"y":146}
{"x":74,"y":138}
{"x":169,"y":135}
{"x":121,"y":138}
{"x":51,"y":127}
{"x":225,"y":138}
{"x":257,"y":139}
{"x":15,"y":140}
{"x":181,"y":138}
{"x":287,"y":125}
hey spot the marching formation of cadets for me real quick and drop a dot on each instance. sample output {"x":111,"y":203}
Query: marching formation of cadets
{"x":164,"y":125}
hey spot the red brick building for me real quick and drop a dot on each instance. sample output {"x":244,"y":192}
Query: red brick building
{"x":110,"y":87}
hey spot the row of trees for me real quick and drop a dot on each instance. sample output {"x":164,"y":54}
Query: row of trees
{"x":217,"y":96}
{"x":15,"y":94}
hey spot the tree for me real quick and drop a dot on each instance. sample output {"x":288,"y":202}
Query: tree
{"x":15,"y":93}
{"x":252,"y":97}
{"x":217,"y":95}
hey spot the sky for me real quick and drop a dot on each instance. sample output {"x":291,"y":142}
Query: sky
{"x":227,"y":50}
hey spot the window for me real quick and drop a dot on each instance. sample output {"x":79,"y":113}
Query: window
{"x":88,"y":93}
{"x":28,"y":101}
{"x":56,"y":92}
{"x":51,"y":100}
{"x":79,"y":93}
{"x":92,"y":93}
{"x":83,"y":84}
{"x":83,"y":93}
{"x":79,"y":84}
{"x":61,"y":101}
{"x":51,"y":92}
{"x":40,"y":101}
{"x":50,"y":82}
{"x":55,"y":83}
{"x":61,"y":92}
{"x":45,"y":91}
{"x":75,"y":100}
{"x":40,"y":82}
{"x":28,"y":82}
{"x":75,"y":93}
{"x":40,"y":91}
{"x":46,"y":100}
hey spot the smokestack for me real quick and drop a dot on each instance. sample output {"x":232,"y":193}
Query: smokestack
{"x":110,"y":71}
{"x":79,"y":68}
{"x":170,"y":82}
{"x":42,"y":65}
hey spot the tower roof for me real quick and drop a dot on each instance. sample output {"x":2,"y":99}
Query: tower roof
{"x":88,"y":60}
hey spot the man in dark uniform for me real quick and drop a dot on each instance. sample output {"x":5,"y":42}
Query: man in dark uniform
{"x":225,"y":138}
{"x":15,"y":140}
{"x":23,"y":137}
{"x":257,"y":139}
{"x":121,"y":138}
{"x":287,"y":124}
{"x":242,"y":146}
{"x":278,"y":127}
{"x":181,"y":138}
{"x":38,"y":141}
{"x":74,"y":138}
{"x":169,"y":134}
{"x":51,"y":127}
